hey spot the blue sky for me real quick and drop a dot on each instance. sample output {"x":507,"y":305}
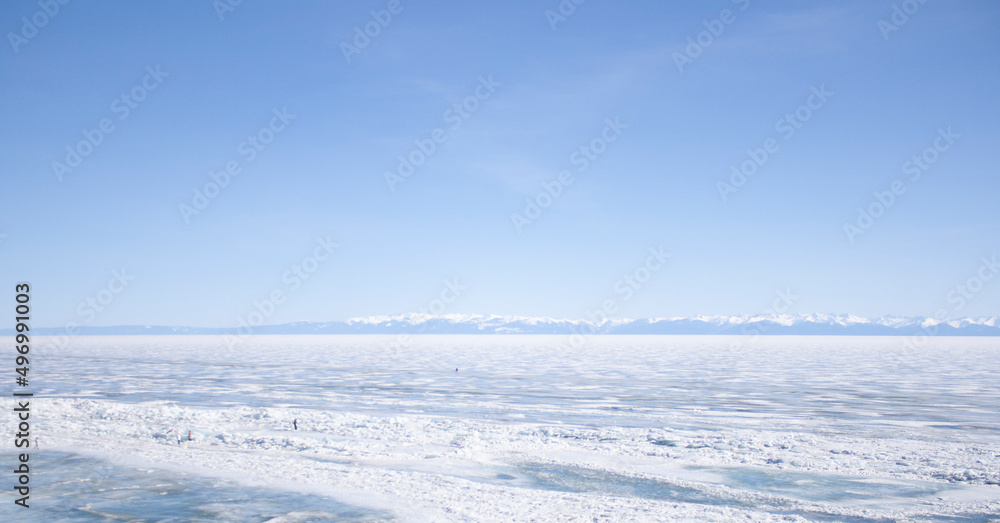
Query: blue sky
{"x":323,"y":173}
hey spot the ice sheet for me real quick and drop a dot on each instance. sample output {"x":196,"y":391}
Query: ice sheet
{"x":624,"y":428}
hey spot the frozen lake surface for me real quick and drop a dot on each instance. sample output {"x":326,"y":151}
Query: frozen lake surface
{"x":529,"y":428}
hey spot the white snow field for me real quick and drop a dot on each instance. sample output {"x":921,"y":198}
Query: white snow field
{"x":529,"y":428}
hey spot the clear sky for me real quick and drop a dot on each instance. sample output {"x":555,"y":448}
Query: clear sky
{"x":183,"y":89}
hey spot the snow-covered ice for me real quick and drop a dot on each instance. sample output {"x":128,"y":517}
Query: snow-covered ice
{"x":530,"y":428}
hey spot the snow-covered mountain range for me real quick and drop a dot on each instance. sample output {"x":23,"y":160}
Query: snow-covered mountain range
{"x":819,"y":324}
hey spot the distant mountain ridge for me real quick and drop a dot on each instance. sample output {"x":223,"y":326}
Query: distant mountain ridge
{"x":414,"y":323}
